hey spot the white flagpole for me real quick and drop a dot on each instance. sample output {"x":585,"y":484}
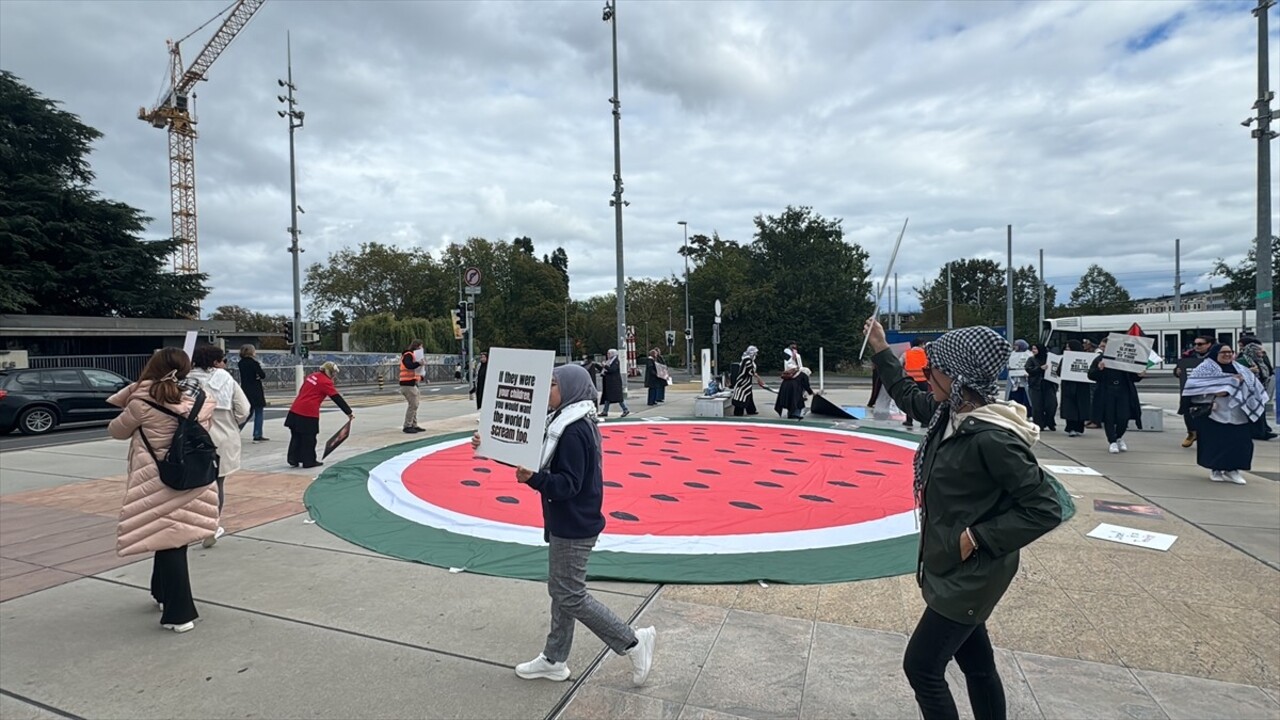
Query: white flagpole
{"x":887,"y":273}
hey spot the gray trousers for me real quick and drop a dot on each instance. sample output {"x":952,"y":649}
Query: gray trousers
{"x":410,"y":393}
{"x":570,"y":601}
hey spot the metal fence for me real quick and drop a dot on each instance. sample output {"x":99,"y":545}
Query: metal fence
{"x":129,"y":366}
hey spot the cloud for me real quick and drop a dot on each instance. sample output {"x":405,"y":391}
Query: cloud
{"x":1100,"y":131}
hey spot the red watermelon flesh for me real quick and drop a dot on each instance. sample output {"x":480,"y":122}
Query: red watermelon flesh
{"x":696,"y":479}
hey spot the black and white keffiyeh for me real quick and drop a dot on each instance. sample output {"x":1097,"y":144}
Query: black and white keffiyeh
{"x":973,"y":358}
{"x":1244,"y":391}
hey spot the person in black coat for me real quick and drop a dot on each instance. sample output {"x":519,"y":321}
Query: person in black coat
{"x":251,"y":377}
{"x":1076,"y":399}
{"x":792,"y":393}
{"x":1115,"y":401}
{"x":480,"y":375}
{"x":612,"y":383}
{"x":1042,"y":392}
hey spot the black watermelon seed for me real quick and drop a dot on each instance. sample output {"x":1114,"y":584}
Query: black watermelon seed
{"x":508,"y":500}
{"x":781,"y":451}
{"x":610,"y":483}
{"x":722,"y":450}
{"x":669,"y":451}
{"x":740,"y":462}
{"x":863,"y":450}
{"x":792,"y":442}
{"x":651,"y":463}
{"x":635,"y":444}
{"x":681,"y":458}
{"x":841,"y":483}
{"x":640,"y":475}
{"x":888,"y":462}
{"x":836,"y":442}
{"x":613,"y":452}
{"x":795,"y":460}
{"x":777,"y":471}
{"x":832,"y":455}
{"x":744,"y":444}
{"x":619,"y":515}
{"x":471,"y":483}
{"x":484,"y":470}
{"x":700,"y":440}
{"x":744,"y":505}
{"x":664,"y":498}
{"x":814,"y":498}
{"x":788,"y":434}
{"x":671,"y":442}
{"x":766,"y":483}
{"x":698,"y":485}
{"x":706,"y":471}
{"x":871,"y":472}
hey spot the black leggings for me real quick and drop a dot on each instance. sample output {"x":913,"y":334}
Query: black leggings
{"x":1075,"y":426}
{"x":935,"y":641}
{"x":302,"y":447}
{"x":171,"y":586}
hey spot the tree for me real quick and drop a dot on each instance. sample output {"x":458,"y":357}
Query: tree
{"x":379,"y":278}
{"x":977,"y":294}
{"x":247,"y":320}
{"x":64,"y":249}
{"x":1242,"y":288}
{"x":559,"y":260}
{"x":1099,"y":293}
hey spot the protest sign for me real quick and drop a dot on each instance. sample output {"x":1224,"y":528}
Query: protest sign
{"x":1132,"y":536}
{"x":189,"y":343}
{"x":1075,"y":366}
{"x":513,"y":410}
{"x":1127,"y":353}
{"x":1053,"y":369}
{"x":1071,"y":470}
{"x":337,"y":439}
{"x":1018,"y":364}
{"x":1124,"y":508}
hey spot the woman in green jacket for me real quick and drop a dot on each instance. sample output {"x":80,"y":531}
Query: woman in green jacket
{"x":981,"y":496}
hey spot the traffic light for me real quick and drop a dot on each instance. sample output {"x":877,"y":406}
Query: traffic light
{"x":289,"y":335}
{"x":457,"y":324}
{"x":462,"y":315}
{"x":310,"y":332}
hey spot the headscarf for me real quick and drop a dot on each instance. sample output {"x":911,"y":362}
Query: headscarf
{"x":611,"y":357}
{"x":973,"y":358}
{"x":1020,"y":345}
{"x":1042,"y":354}
{"x":1229,"y":368}
{"x":1211,"y":378}
{"x":1075,"y":346}
{"x":577,"y":401}
{"x":750,"y":352}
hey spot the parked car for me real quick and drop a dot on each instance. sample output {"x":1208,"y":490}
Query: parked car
{"x":36,"y":401}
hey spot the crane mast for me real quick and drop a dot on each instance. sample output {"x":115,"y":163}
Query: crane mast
{"x":174,"y":113}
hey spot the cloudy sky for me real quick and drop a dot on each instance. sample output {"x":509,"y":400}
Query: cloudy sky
{"x":1100,"y":130}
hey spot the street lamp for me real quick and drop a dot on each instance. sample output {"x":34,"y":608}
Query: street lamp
{"x":688,"y":322}
{"x":295,"y":117}
{"x":611,"y":16}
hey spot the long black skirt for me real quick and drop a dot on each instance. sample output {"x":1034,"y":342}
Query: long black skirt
{"x":1220,"y":446}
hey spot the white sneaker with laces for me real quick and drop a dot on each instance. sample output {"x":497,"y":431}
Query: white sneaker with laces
{"x":1235,"y":477}
{"x":1217,"y":476}
{"x":542,"y":668}
{"x":179,"y":628}
{"x":1120,"y":444}
{"x":1115,"y":448}
{"x":642,"y":655}
{"x":209,"y":541}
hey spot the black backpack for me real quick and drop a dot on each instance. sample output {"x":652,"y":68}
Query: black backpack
{"x":192,"y":459}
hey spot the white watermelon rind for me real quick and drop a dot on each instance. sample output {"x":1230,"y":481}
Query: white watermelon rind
{"x":342,"y":501}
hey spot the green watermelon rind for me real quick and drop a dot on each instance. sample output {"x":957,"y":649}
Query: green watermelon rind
{"x":339,"y":501}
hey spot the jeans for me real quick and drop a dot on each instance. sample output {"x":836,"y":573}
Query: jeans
{"x":259,"y":413}
{"x":935,"y":641}
{"x":171,"y":586}
{"x":604,"y":407}
{"x":653,"y":395}
{"x":570,"y":602}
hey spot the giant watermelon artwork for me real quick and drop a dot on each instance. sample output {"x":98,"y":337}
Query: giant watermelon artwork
{"x":685,"y":502}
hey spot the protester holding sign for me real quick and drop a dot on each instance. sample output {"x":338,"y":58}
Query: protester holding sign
{"x":1043,"y":394}
{"x":1076,"y":391}
{"x":571,"y":481}
{"x":1018,"y":374}
{"x":1237,"y":399}
{"x":303,"y":419}
{"x":1115,"y":399}
{"x":1190,"y":361}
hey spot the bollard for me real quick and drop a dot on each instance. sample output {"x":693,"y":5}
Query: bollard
{"x":379,"y":381}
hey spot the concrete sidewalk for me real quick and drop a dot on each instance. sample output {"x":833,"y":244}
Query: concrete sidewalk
{"x":298,"y":623}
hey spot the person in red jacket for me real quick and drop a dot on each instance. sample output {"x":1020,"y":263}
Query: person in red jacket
{"x":303,"y":419}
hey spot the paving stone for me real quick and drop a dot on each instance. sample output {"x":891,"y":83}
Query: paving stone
{"x":686,"y":634}
{"x":719,"y":595}
{"x":856,"y":673}
{"x":602,"y":703}
{"x":797,"y":601}
{"x":775,"y":648}
{"x":34,"y":581}
{"x":1020,"y":702}
{"x":1189,"y":698}
{"x":1074,"y":689}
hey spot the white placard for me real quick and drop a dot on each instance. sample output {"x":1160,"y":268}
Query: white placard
{"x":1071,"y":470}
{"x":1127,"y":353}
{"x":189,"y":344}
{"x":706,"y":368}
{"x":1075,"y":366}
{"x":1053,"y":369}
{"x":1131,"y":536}
{"x":1018,"y":363}
{"x":513,"y":411}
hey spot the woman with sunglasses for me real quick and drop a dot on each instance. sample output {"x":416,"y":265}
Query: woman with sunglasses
{"x":1191,"y":359}
{"x":1237,"y":399}
{"x":981,"y":496}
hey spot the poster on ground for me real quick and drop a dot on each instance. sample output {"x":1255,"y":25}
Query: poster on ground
{"x":1127,"y":353}
{"x":1075,"y":366}
{"x":1018,"y":363}
{"x":1126,"y":508}
{"x":1053,"y":369}
{"x":1133,"y":536}
{"x":513,"y":410}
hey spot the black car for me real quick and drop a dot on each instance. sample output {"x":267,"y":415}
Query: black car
{"x":36,"y":401}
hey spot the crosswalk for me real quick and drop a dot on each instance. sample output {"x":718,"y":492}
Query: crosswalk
{"x":427,"y":394}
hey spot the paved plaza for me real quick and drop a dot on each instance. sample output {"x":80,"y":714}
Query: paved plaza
{"x":297,"y":623}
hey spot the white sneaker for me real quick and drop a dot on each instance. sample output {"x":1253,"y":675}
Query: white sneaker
{"x":159,"y":605}
{"x":1218,"y":476}
{"x":642,"y":655}
{"x":541,"y":667}
{"x":1235,"y":477}
{"x":179,"y":628}
{"x":209,"y":541}
{"x":1115,"y":448}
{"x":1120,"y":444}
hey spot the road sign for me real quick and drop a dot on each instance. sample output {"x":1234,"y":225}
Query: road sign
{"x":717,"y":311}
{"x":688,"y":333}
{"x":472,"y":277}
{"x":471,"y":289}
{"x":671,"y":338}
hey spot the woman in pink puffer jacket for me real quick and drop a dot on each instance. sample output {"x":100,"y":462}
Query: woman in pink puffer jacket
{"x":156,"y":518}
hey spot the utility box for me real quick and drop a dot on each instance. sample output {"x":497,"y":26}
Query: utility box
{"x":1152,"y":418}
{"x":714,"y":406}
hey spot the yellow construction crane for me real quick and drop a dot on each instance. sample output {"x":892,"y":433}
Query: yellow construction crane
{"x":173,"y":112}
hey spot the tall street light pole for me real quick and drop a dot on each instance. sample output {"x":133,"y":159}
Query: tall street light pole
{"x":295,"y":117}
{"x":1264,"y":303}
{"x":688,"y":322}
{"x":611,"y":16}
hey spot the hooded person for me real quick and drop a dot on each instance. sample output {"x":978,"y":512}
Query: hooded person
{"x":1224,"y":441}
{"x":612,"y":385}
{"x":981,"y":496}
{"x":231,"y":409}
{"x":1018,"y":383}
{"x":1042,"y":392}
{"x":570,"y":480}
{"x":743,"y":397}
{"x":1115,"y":401}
